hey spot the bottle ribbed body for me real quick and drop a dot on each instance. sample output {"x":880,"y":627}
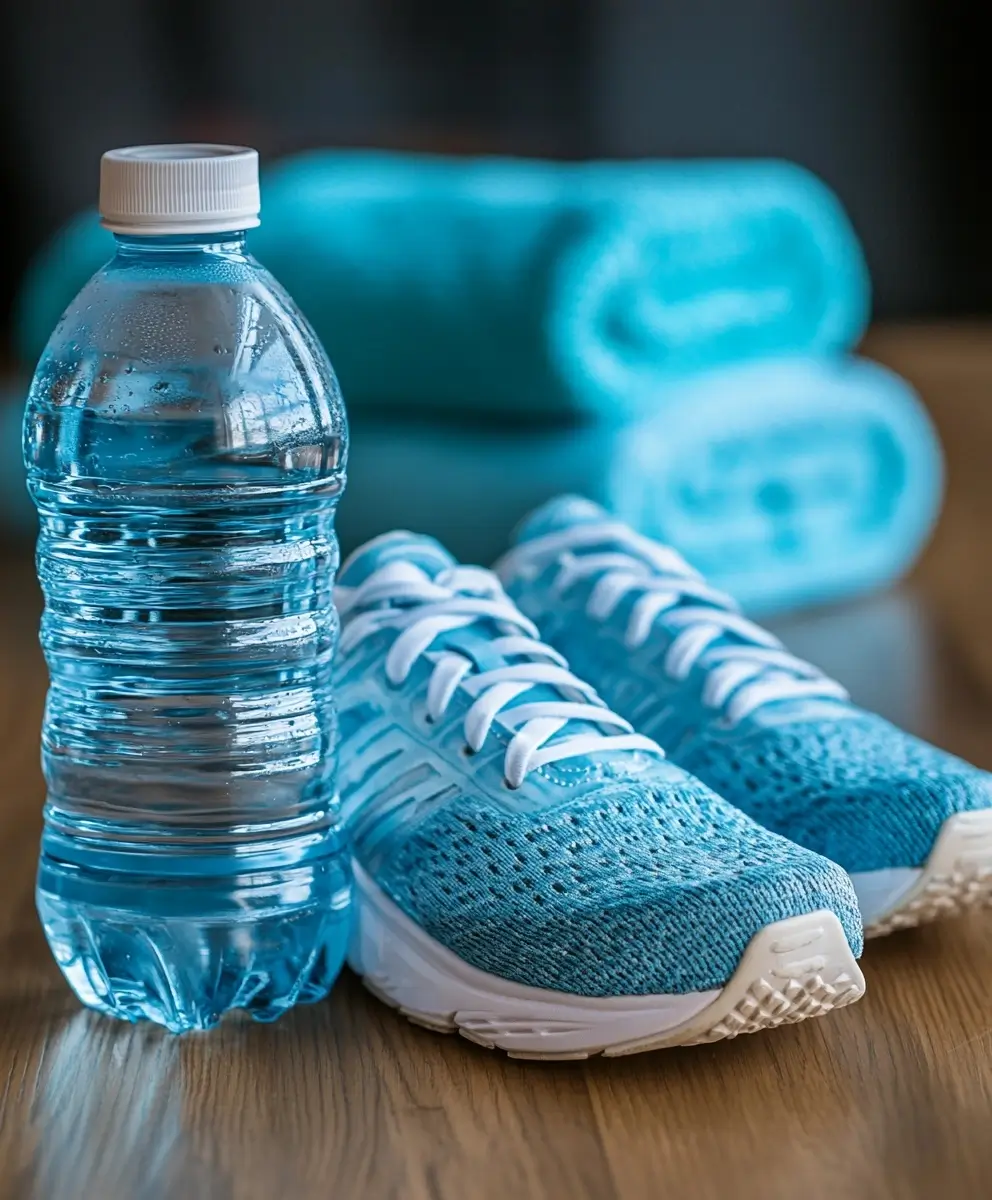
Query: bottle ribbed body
{"x":185,"y":444}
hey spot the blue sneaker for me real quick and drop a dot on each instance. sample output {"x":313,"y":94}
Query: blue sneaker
{"x":532,"y":872}
{"x":775,"y":737}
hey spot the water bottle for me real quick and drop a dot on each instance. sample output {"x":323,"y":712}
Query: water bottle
{"x":185,"y":443}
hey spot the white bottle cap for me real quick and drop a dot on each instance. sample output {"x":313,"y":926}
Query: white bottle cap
{"x":187,"y":188}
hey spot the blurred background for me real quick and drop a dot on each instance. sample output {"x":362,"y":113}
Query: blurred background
{"x":800,"y":482}
{"x":834,"y":486}
{"x":887,"y":101}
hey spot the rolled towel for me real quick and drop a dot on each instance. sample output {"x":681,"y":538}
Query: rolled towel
{"x":533,"y":288}
{"x":786,"y":482}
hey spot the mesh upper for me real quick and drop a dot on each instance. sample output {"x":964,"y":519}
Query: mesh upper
{"x":857,"y":790}
{"x":853,"y":788}
{"x":635,"y":890}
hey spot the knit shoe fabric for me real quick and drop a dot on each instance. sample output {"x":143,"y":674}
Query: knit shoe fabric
{"x":768,"y":732}
{"x":504,"y":821}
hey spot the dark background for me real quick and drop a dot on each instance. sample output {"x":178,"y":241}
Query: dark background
{"x":887,"y":100}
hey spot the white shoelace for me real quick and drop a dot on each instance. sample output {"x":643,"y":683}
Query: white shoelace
{"x":741,"y":677}
{"x":460,"y":597}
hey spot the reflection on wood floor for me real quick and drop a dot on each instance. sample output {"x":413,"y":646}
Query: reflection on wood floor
{"x":889,"y":1098}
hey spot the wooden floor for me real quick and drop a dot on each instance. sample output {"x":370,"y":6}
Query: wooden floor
{"x":889,"y":1098}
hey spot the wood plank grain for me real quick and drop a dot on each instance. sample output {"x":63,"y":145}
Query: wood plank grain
{"x":889,"y":1099}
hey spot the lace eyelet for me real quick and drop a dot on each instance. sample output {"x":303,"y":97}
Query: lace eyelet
{"x":510,"y":787}
{"x":466,"y":751}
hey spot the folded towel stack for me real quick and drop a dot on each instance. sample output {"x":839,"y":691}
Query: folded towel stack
{"x":666,"y":337}
{"x":537,"y":290}
{"x":790,"y":481}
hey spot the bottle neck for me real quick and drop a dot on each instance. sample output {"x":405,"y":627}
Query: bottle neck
{"x":221,"y":245}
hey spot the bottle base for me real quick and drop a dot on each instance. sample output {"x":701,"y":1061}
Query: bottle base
{"x":186,"y":969}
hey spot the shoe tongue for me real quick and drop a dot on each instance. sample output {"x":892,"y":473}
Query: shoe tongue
{"x":420,"y":551}
{"x":561,"y":513}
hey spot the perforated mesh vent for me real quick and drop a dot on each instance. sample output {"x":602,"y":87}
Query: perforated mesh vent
{"x":858,"y":790}
{"x":634,"y":891}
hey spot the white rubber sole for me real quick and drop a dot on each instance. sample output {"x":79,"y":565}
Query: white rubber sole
{"x":956,"y":877}
{"x":791,"y":970}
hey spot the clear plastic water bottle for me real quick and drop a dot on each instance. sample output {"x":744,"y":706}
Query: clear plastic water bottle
{"x":185,"y":442}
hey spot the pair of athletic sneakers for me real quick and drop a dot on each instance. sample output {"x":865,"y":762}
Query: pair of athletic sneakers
{"x":535,"y":871}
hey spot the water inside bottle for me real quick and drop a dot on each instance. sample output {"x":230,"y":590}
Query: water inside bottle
{"x":191,"y":859}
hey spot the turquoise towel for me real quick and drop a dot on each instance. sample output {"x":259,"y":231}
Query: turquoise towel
{"x":532,"y":288}
{"x":787,"y":482}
